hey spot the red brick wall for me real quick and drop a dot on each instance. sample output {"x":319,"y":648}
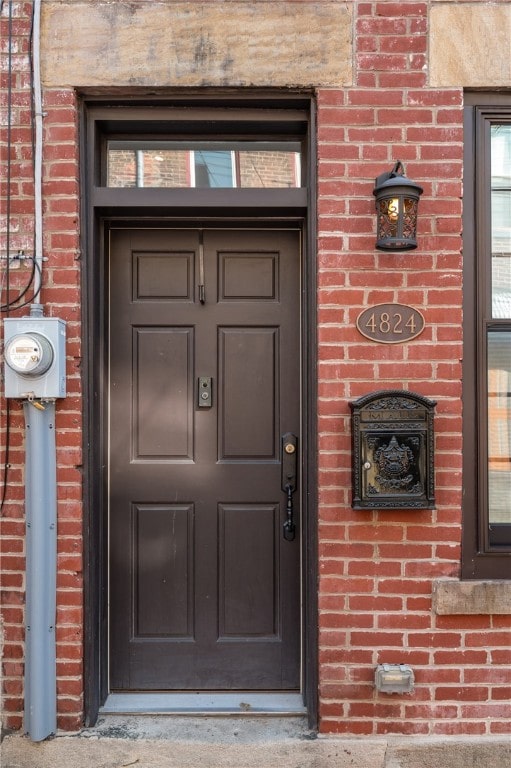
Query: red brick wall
{"x":12,"y":526}
{"x":61,"y":298}
{"x":62,"y":293}
{"x":376,"y":567}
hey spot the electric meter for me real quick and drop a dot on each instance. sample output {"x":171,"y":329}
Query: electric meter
{"x":35,"y":357}
{"x":29,"y":354}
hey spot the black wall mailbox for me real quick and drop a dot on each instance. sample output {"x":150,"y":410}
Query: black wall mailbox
{"x":393,"y":451}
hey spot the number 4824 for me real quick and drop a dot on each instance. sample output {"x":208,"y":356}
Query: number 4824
{"x":390,"y":323}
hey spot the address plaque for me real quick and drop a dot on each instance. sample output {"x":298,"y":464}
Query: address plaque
{"x":390,"y":323}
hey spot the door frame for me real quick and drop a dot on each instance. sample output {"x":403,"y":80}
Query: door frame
{"x":272,"y":114}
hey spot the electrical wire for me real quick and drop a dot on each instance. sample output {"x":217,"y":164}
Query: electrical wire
{"x":36,"y":269}
{"x":12,"y":305}
{"x":9,"y":148}
{"x":32,"y":104}
{"x":7,"y":446}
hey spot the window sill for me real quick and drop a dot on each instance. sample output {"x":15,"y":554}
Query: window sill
{"x":451,"y":596}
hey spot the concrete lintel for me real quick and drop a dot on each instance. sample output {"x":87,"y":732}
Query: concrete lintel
{"x":172,"y":44}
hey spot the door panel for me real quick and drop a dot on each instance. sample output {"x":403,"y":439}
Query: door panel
{"x":248,"y":607}
{"x":248,"y":375}
{"x":162,"y":383}
{"x":204,"y":589}
{"x":166,"y":275}
{"x":252,"y":276}
{"x":163,"y":576}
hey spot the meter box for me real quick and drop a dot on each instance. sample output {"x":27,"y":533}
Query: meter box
{"x":35,"y":357}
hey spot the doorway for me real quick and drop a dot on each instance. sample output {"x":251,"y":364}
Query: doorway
{"x":271,"y":632}
{"x":204,"y":391}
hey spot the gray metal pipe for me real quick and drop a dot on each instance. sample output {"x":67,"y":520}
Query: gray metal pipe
{"x":41,"y":570}
{"x":38,"y":149}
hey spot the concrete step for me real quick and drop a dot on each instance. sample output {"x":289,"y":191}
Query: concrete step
{"x":243,"y":742}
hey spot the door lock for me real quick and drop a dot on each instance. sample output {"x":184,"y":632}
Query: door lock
{"x":289,"y":481}
{"x":205,"y":392}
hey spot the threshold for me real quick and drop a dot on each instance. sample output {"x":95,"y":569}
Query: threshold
{"x":205,"y":703}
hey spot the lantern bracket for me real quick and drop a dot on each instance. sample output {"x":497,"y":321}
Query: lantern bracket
{"x":383,"y":177}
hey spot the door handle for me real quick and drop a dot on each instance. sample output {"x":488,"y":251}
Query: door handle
{"x":202,"y":285}
{"x":289,"y":481}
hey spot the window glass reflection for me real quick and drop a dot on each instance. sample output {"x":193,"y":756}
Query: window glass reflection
{"x":163,"y":164}
{"x":213,"y":168}
{"x":501,"y":220}
{"x":499,"y":426}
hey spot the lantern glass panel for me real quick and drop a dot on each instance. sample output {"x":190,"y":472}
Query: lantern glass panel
{"x":397,"y":222}
{"x":393,"y":208}
{"x":387,"y":224}
{"x":410,"y":218}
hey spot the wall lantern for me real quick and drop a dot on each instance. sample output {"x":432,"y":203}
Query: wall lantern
{"x":397,"y":203}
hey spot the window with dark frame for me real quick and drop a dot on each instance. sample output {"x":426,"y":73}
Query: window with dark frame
{"x":487,"y":334}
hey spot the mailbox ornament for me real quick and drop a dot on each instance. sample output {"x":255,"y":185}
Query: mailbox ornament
{"x":393,"y":451}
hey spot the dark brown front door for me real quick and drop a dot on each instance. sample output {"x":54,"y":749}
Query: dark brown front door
{"x":204,"y":380}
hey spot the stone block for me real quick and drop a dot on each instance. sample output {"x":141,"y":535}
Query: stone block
{"x":470,"y":45}
{"x":216,"y":43}
{"x":471,"y":597}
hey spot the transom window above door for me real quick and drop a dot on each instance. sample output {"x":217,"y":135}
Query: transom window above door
{"x":204,"y":164}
